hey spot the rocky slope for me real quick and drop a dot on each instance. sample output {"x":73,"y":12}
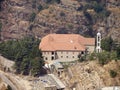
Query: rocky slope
{"x":91,"y":76}
{"x":25,"y":17}
{"x":2,"y":85}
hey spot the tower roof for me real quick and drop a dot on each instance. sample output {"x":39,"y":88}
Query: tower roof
{"x":98,"y":34}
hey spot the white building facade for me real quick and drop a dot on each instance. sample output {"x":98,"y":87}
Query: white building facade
{"x":65,"y":46}
{"x":98,"y":42}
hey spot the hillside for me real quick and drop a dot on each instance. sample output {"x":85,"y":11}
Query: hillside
{"x":19,"y":18}
{"x":91,"y":76}
{"x":2,"y":85}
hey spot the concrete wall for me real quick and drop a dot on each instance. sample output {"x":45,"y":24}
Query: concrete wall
{"x":47,"y":55}
{"x":90,"y":48}
{"x":66,"y":55}
{"x":63,"y":55}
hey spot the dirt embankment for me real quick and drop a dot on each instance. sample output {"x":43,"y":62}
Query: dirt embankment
{"x":2,"y":85}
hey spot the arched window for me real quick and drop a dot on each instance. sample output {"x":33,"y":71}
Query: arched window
{"x":52,"y":58}
{"x":98,"y":38}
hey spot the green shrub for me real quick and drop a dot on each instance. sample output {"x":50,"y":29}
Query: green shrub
{"x":9,"y":88}
{"x":113,"y":73}
{"x":118,"y":52}
{"x":113,"y":55}
{"x":53,"y":1}
{"x":1,"y":4}
{"x":25,"y":53}
{"x":32,"y":17}
{"x":0,"y":25}
{"x":57,"y":1}
{"x":103,"y":57}
{"x":70,"y":26}
{"x":62,"y":14}
{"x":0,"y":30}
{"x":33,"y":3}
{"x":62,"y":31}
{"x":40,"y":7}
{"x":107,"y":44}
{"x":97,"y":7}
{"x":88,"y":16}
{"x":31,"y":27}
{"x":82,"y":59}
{"x":92,"y":56}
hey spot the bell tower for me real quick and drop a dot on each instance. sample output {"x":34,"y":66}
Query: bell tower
{"x":98,"y":42}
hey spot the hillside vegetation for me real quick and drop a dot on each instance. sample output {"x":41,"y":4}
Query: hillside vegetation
{"x":90,"y":75}
{"x":19,"y":18}
{"x":26,"y":55}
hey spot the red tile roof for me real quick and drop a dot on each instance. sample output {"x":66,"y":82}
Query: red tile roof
{"x":76,"y":42}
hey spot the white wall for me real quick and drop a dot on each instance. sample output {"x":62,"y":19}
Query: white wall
{"x":63,"y":55}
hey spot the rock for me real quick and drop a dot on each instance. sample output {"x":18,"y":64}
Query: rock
{"x":16,"y":14}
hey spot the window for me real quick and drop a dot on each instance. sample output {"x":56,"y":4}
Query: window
{"x":98,"y":44}
{"x":52,"y":53}
{"x":61,"y":56}
{"x":48,"y":52}
{"x":98,"y":50}
{"x":46,"y":58}
{"x":82,"y":52}
{"x":66,"y":56}
{"x":66,"y":52}
{"x":61,"y":52}
{"x":73,"y":56}
{"x":98,"y":38}
{"x":52,"y":58}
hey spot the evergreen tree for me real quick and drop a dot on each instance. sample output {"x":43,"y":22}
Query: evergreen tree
{"x":107,"y":44}
{"x":25,"y":53}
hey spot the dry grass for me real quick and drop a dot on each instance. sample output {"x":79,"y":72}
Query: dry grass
{"x":98,"y":75}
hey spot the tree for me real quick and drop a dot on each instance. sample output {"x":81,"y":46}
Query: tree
{"x":107,"y":44}
{"x":24,"y":52}
{"x":1,"y":4}
{"x":92,"y":56}
{"x":103,"y":57}
{"x":25,"y":66}
{"x":113,"y":74}
{"x":32,"y":17}
{"x":97,"y":7}
{"x":53,"y":1}
{"x":37,"y":64}
{"x":0,"y":29}
{"x":62,"y":14}
{"x":118,"y":52}
{"x":113,"y":55}
{"x":40,"y":7}
{"x":9,"y":88}
{"x":57,"y":1}
{"x":62,"y":31}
